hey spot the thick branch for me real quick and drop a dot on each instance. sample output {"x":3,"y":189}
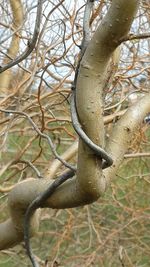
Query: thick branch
{"x":90,"y":86}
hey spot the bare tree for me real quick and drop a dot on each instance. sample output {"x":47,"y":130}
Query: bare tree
{"x":36,"y":79}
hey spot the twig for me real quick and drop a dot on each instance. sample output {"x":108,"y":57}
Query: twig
{"x":132,"y":36}
{"x":136,"y":155}
{"x":31,"y":43}
{"x":29,"y":163}
{"x":45,"y":136}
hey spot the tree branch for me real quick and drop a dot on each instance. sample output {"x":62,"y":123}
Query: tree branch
{"x":132,"y":36}
{"x":31,"y":43}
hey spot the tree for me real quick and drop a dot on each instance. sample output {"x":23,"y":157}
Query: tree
{"x":94,"y":76}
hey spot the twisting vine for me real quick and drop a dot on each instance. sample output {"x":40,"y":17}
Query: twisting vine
{"x":100,"y":152}
{"x":37,"y":203}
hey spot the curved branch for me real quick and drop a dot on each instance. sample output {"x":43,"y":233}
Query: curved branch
{"x":31,"y":43}
{"x":89,"y":89}
{"x":17,"y":12}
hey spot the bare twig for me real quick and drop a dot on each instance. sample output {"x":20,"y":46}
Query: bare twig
{"x":29,"y":163}
{"x":45,"y":136}
{"x":132,"y":36}
{"x":136,"y":155}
